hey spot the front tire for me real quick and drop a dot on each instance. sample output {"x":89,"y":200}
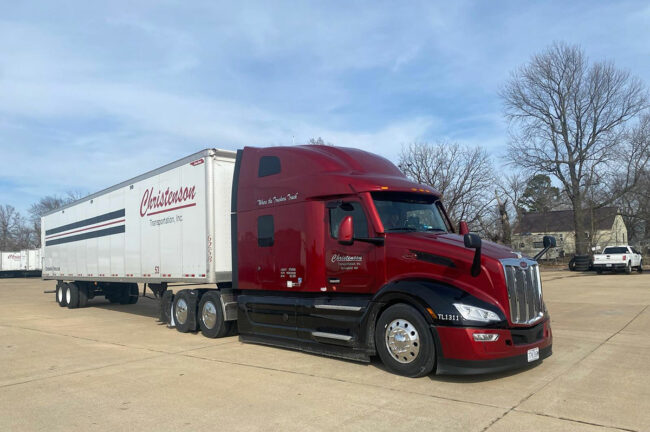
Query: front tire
{"x":639,"y":269}
{"x":404,"y":341}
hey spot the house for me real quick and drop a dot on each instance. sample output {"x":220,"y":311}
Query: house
{"x":604,"y":227}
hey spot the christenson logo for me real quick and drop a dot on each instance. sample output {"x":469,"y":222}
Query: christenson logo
{"x":346,"y":258}
{"x":154,"y":202}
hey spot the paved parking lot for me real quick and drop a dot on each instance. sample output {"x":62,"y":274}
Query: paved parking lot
{"x":108,"y":368}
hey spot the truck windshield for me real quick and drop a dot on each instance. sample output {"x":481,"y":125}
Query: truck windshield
{"x":615,"y":250}
{"x":407,"y":212}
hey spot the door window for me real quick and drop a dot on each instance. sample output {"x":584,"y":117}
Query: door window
{"x":353,"y":209}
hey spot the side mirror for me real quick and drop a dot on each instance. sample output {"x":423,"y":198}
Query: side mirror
{"x":472,"y":241}
{"x":463,"y":229}
{"x":346,"y":231}
{"x":549,"y":242}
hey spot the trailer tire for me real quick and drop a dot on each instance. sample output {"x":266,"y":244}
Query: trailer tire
{"x":83,"y":296}
{"x":404,"y":341}
{"x":184,"y":311}
{"x":123,"y":294}
{"x":210,"y":316}
{"x":165,"y":306}
{"x":134,"y":294}
{"x":112,"y":293}
{"x":599,"y":271}
{"x":60,"y":294}
{"x":72,"y":295}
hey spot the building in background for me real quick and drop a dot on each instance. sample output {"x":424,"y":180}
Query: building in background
{"x":605,"y":225}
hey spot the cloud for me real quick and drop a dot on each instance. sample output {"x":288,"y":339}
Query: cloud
{"x":93,"y":93}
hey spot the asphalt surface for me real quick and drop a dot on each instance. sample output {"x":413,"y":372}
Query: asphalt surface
{"x":110,"y":367}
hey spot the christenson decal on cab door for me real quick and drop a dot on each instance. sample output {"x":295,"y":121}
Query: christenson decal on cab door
{"x":347,"y":262}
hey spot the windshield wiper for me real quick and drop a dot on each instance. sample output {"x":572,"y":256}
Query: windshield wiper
{"x":437,"y":229}
{"x":402,"y":229}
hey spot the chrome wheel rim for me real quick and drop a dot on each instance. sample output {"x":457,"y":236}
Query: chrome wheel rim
{"x":209,"y":315}
{"x":402,"y":341}
{"x":67,"y":295}
{"x":180,"y":311}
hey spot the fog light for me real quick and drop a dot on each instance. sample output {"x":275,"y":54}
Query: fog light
{"x":485,"y":337}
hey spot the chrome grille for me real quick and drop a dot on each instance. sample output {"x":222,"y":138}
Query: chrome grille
{"x":524,"y":290}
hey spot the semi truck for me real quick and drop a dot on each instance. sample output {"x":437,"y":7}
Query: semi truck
{"x":323,"y":249}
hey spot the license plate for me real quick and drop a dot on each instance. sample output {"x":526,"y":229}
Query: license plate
{"x":609,"y":265}
{"x":533,"y":354}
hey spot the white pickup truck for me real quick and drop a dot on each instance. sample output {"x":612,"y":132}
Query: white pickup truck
{"x":616,"y":258}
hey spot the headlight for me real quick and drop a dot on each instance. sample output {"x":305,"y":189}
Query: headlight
{"x":473,"y":313}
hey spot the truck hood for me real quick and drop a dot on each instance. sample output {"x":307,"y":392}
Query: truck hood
{"x":444,"y":257}
{"x":425,"y":240}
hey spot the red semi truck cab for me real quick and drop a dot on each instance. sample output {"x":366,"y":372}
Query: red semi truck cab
{"x":336,"y":252}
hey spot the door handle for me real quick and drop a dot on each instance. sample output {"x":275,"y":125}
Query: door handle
{"x":334,"y":281}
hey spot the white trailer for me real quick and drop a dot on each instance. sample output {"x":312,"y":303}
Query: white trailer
{"x":171,"y":224}
{"x":10,"y":261}
{"x":30,"y":259}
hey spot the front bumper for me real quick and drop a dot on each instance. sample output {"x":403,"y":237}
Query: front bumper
{"x":611,"y":266}
{"x":459,"y":354}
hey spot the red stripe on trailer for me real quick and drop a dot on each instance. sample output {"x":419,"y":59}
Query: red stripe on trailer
{"x":170,"y":209}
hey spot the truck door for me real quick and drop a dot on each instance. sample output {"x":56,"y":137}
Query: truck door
{"x":349,"y":268}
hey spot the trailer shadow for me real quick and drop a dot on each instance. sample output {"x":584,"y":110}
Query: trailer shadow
{"x":145,"y":306}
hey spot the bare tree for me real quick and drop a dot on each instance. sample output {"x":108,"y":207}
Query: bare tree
{"x":635,"y":205}
{"x":463,"y":175}
{"x":568,"y":119}
{"x":46,"y":205}
{"x":318,"y":141}
{"x":10,"y":226}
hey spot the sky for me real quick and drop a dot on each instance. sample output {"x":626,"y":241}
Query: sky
{"x":94,"y":93}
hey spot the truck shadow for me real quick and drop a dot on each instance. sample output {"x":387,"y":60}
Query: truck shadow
{"x":472,"y":379}
{"x":461,"y":379}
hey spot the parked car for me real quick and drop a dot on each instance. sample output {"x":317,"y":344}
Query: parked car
{"x":616,"y":258}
